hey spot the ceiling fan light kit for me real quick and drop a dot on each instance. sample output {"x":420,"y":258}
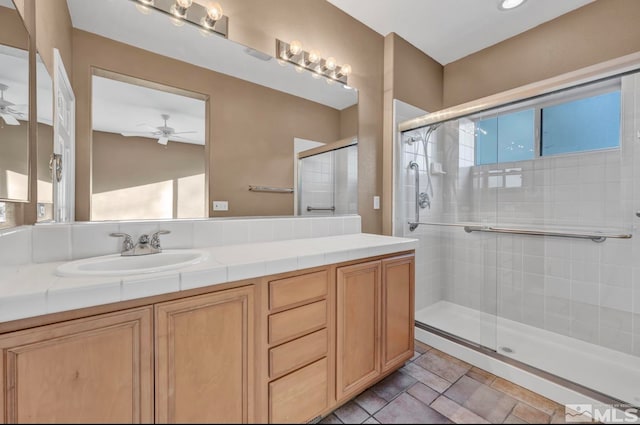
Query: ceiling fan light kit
{"x":163,"y":133}
{"x":8,"y":111}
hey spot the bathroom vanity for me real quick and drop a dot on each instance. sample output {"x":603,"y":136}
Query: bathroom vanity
{"x":287,"y":346}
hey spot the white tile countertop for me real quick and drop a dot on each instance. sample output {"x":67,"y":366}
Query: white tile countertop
{"x":32,"y":289}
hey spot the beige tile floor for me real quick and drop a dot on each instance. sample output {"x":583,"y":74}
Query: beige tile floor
{"x":434,"y":387}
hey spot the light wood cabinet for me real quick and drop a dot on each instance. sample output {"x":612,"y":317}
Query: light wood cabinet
{"x":358,"y":327}
{"x":298,"y":347}
{"x":284,"y":349}
{"x":374,"y":319}
{"x":93,"y":370}
{"x":204,"y":358}
{"x":397,"y":311}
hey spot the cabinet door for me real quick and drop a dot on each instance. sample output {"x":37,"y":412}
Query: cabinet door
{"x":204,"y":358}
{"x":358,"y":324}
{"x":98,"y":369}
{"x":397,"y":311}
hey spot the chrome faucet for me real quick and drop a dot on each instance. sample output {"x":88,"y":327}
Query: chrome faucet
{"x":146,"y":244}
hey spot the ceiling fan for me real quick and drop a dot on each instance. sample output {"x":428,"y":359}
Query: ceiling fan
{"x":8,"y":111}
{"x":163,"y":132}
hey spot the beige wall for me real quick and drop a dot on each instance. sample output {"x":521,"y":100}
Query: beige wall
{"x":320,"y":25}
{"x":53,"y":29}
{"x":128,"y":162}
{"x":414,"y":78}
{"x":602,"y":30}
{"x":349,"y":122}
{"x":417,"y":78}
{"x":251,"y":128}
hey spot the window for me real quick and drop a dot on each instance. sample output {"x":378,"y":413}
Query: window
{"x":585,"y":123}
{"x":582,"y":125}
{"x":506,"y":138}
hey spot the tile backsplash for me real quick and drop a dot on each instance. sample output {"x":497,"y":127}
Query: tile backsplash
{"x":63,"y":242}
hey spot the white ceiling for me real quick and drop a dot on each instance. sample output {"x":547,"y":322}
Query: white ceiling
{"x":7,"y":3}
{"x":448,"y":30}
{"x":122,"y":107}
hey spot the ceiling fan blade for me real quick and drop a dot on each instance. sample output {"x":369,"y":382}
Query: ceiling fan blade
{"x":184,"y":132}
{"x":136,"y":134}
{"x":9,"y":119}
{"x":163,"y":140}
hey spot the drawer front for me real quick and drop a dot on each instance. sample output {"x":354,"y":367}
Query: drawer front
{"x":297,"y":353}
{"x":297,"y":289}
{"x":299,"y":396}
{"x":297,"y":322}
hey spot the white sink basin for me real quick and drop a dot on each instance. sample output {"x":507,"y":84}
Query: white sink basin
{"x":117,"y":265}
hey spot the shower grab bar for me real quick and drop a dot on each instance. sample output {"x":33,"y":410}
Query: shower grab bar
{"x":321,"y":209}
{"x":596,"y":237}
{"x":414,"y":225}
{"x":270,"y":189}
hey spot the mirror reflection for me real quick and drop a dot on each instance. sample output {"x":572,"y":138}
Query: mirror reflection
{"x":14,"y":106}
{"x":44,"y":90}
{"x":148,"y":152}
{"x":256,"y":109}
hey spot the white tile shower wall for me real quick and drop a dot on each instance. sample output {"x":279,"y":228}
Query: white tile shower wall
{"x":317,"y":183}
{"x":61,"y":242}
{"x":578,"y":288}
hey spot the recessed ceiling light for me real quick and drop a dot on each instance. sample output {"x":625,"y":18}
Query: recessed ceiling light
{"x":509,"y":4}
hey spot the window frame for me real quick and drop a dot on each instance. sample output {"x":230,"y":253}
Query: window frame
{"x":570,"y":94}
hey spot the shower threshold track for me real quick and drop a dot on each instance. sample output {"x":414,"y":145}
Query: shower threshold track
{"x":600,"y":369}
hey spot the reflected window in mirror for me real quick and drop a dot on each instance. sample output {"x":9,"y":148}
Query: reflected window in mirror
{"x":14,"y":106}
{"x":148,"y":151}
{"x":44,"y":92}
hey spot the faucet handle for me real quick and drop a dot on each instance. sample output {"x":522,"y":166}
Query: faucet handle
{"x":155,"y":238}
{"x":127,"y":244}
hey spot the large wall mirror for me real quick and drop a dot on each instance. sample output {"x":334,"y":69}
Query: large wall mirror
{"x":172,"y":120}
{"x":14,"y":106}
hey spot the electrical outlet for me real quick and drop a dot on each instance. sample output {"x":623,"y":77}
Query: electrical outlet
{"x":221,"y":205}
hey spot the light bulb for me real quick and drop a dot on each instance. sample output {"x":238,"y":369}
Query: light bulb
{"x":299,"y":69}
{"x":345,"y":70}
{"x":185,"y":4}
{"x":178,"y":11}
{"x":295,"y":48}
{"x":146,"y":2}
{"x":330,"y":81}
{"x":143,"y":9}
{"x":509,"y":4}
{"x":314,"y":56}
{"x":214,"y":12}
{"x":330,"y":63}
{"x":315,"y":75}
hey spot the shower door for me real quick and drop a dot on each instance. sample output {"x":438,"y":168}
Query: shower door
{"x":328,"y":182}
{"x":439,"y":195}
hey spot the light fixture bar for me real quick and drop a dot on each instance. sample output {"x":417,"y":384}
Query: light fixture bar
{"x":195,"y":14}
{"x":311,"y":61}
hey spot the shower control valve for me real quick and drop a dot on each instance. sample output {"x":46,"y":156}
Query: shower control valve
{"x":423,"y":200}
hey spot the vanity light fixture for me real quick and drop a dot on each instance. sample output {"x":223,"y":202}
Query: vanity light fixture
{"x":179,"y":8}
{"x":210,"y":19}
{"x":510,"y":4}
{"x":312,"y":61}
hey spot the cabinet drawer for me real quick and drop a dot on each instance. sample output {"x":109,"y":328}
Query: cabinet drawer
{"x":297,"y":353}
{"x":297,"y":321}
{"x":297,"y":289}
{"x":299,"y":396}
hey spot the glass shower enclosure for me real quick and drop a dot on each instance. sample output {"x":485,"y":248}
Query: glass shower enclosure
{"x":328,"y":180}
{"x":526,"y":217}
